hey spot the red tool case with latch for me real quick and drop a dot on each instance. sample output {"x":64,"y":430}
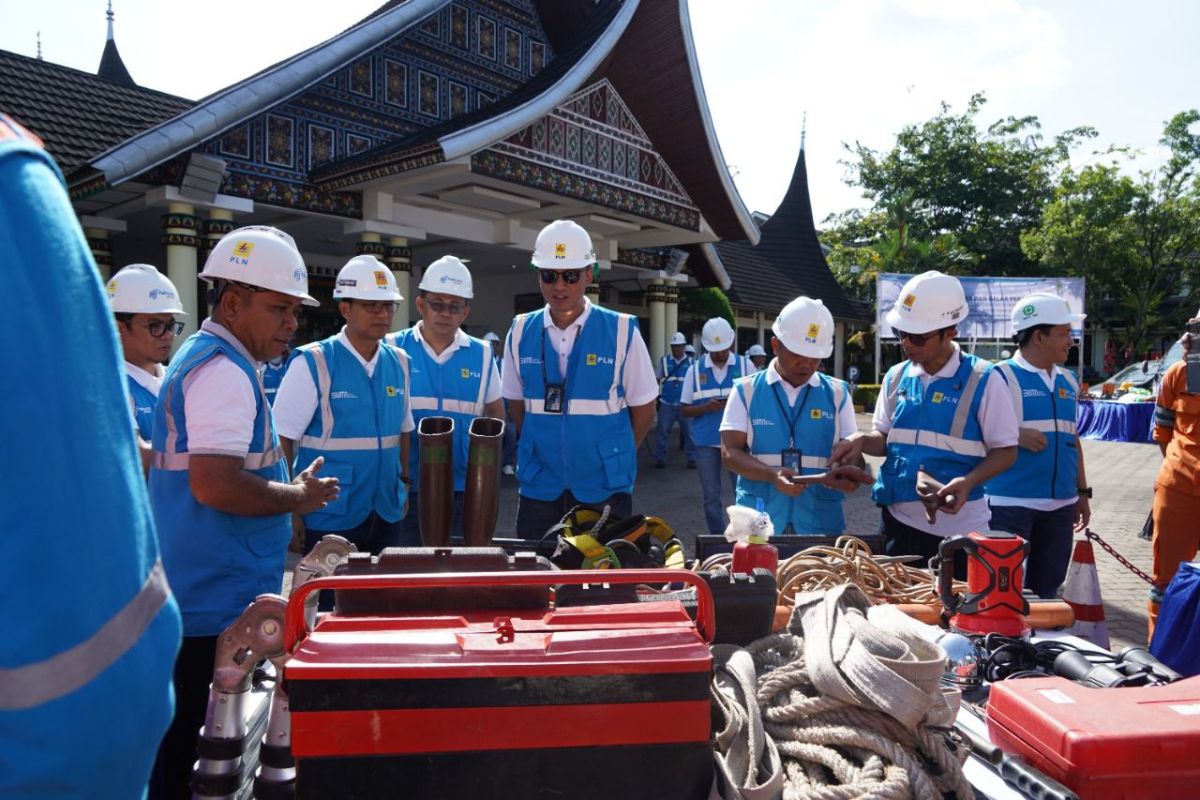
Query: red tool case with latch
{"x":1123,"y":743}
{"x":602,"y":701}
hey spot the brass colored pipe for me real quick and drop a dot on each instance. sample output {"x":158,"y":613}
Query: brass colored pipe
{"x":481,"y":504}
{"x":436,"y":480}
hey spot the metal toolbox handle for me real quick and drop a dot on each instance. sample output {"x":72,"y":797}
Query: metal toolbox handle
{"x":296,"y":628}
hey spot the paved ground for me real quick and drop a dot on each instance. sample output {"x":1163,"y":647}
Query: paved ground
{"x":1121,"y":475}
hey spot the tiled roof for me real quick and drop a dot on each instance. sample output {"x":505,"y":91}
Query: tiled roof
{"x":77,"y":114}
{"x":787,"y":262}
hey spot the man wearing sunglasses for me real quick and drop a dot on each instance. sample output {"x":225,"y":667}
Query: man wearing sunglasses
{"x":346,"y":399}
{"x":580,"y":388}
{"x":942,"y":410}
{"x":144,"y":302}
{"x":453,"y":375}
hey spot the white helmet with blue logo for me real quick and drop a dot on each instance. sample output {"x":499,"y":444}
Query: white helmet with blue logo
{"x":448,"y":275}
{"x":260,"y":256}
{"x":366,"y":278}
{"x":142,"y":289}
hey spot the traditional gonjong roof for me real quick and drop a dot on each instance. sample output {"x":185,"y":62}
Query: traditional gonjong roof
{"x":78,"y":114}
{"x":787,"y":261}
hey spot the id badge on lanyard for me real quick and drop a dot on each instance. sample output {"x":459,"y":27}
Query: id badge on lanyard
{"x":553,"y":400}
{"x":789,"y":458}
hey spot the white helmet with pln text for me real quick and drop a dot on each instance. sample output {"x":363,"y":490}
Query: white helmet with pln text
{"x":263,"y":257}
{"x":928,"y":302}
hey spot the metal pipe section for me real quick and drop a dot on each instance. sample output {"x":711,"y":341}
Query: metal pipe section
{"x":436,"y":480}
{"x":481,"y":503}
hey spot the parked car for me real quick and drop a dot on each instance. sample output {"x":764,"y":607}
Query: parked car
{"x":1140,"y":374}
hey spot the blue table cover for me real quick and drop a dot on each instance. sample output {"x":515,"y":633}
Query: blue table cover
{"x":1116,"y":422}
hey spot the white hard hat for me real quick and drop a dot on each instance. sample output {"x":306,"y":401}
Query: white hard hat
{"x":678,"y":338}
{"x":805,"y":327}
{"x":1043,"y":308}
{"x":716,"y":335}
{"x":142,"y":289}
{"x":756,"y":350}
{"x":563,"y":244}
{"x":928,"y":302}
{"x":260,"y":256}
{"x":691,"y":351}
{"x":448,"y":275}
{"x":490,"y":337}
{"x":365,"y":278}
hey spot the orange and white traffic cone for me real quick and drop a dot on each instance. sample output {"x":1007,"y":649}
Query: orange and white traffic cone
{"x":1082,"y":593}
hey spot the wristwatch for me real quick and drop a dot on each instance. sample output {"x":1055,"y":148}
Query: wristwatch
{"x":1085,"y":491}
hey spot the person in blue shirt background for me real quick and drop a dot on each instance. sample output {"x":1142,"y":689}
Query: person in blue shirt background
{"x":144,"y":303}
{"x":92,"y":633}
{"x":1044,"y":496}
{"x":706,"y":388}
{"x":671,"y":370}
{"x":453,"y":375}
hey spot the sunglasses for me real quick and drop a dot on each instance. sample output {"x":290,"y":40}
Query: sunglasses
{"x":551,"y":276}
{"x":437,"y":306}
{"x":157,"y":329}
{"x":916,"y":339}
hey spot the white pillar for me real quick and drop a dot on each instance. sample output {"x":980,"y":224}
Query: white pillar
{"x":839,"y":350}
{"x":762,"y":327}
{"x":101,"y":247}
{"x":399,"y":261}
{"x":672,"y":321}
{"x":657,"y":297}
{"x":219,"y":223}
{"x":180,"y":227}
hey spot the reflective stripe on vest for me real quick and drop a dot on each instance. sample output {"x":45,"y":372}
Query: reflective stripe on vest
{"x":177,"y":462}
{"x":41,"y":682}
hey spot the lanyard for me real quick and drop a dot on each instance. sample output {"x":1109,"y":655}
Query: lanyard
{"x":572,"y":360}
{"x":792,"y":420}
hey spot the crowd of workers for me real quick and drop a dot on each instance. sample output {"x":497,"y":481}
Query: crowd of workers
{"x":234,"y":476}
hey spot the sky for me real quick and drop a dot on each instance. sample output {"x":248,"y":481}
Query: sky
{"x":858,"y":70}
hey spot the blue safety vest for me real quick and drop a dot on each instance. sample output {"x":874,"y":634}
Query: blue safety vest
{"x":144,"y":401}
{"x":91,"y":628}
{"x":936,"y":427}
{"x":217,"y":562}
{"x":357,"y":429}
{"x":455,"y":389}
{"x":588,"y":448}
{"x":673,"y":373}
{"x":272,"y":375}
{"x":818,"y":510}
{"x":1052,"y":473}
{"x":705,"y":386}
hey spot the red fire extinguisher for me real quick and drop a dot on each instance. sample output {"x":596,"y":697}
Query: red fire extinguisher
{"x":995,"y":575}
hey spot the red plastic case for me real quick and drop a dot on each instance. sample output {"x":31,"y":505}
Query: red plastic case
{"x":1105,"y":744}
{"x":585,"y":702}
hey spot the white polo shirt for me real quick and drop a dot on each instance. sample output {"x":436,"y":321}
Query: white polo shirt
{"x":738,"y":419}
{"x":220,"y":402}
{"x":998,"y":422}
{"x":637,"y":375}
{"x":296,"y":401}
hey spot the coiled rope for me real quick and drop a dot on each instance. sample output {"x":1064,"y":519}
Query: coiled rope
{"x":838,"y":706}
{"x":850,"y":560}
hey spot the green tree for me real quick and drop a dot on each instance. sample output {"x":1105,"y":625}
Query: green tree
{"x":1135,"y":239}
{"x":701,"y":305}
{"x":952,"y":196}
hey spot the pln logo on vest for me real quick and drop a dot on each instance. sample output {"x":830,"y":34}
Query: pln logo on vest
{"x":392,"y":391}
{"x":1063,"y":394}
{"x":593,"y":359}
{"x":818,"y":413}
{"x":703,"y":378}
{"x":467,"y":374}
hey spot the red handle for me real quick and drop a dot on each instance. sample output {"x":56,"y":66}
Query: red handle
{"x":295,"y":627}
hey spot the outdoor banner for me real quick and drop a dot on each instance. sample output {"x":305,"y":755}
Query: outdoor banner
{"x":989,"y":301}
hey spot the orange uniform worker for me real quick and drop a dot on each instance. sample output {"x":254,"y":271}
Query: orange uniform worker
{"x":1177,"y":488}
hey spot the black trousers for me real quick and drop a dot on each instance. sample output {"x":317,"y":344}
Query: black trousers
{"x":177,"y":752}
{"x":904,"y":540}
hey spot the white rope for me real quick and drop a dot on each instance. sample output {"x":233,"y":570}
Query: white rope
{"x":846,"y":704}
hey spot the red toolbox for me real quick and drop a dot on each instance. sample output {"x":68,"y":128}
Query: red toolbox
{"x":602,"y":701}
{"x":1124,"y":743}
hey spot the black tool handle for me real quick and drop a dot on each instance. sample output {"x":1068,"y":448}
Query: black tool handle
{"x":1034,"y":783}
